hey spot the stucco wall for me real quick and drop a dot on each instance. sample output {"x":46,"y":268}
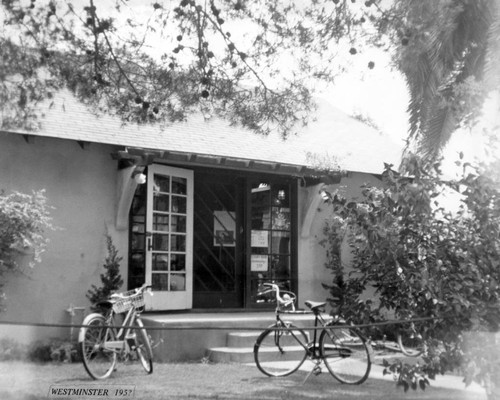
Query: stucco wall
{"x":81,"y":186}
{"x":312,"y":255}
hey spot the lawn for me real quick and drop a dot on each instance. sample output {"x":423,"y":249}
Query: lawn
{"x":28,"y":381}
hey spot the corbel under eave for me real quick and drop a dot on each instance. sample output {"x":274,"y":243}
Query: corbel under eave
{"x":126,"y":186}
{"x":313,"y":201}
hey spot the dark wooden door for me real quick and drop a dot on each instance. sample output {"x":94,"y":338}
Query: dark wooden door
{"x":218,"y":242}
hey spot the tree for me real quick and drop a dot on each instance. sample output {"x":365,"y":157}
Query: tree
{"x":111,"y":279}
{"x":423,"y":260}
{"x":254,"y":62}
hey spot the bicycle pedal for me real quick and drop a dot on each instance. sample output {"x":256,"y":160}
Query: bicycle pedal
{"x":317,"y":370}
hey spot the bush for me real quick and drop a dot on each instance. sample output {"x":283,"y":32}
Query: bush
{"x":53,"y":350}
{"x":23,"y":221}
{"x":421,"y":259}
{"x":111,"y":279}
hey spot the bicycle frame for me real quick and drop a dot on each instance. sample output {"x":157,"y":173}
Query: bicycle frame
{"x":123,"y":332}
{"x":311,"y":346}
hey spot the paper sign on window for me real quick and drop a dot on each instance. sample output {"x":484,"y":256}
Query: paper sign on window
{"x":259,"y":263}
{"x":260,"y":239}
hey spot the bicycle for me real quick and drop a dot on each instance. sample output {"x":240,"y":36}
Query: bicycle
{"x":412,"y":344}
{"x":102,"y":343}
{"x":282,"y":348}
{"x":409,"y":342}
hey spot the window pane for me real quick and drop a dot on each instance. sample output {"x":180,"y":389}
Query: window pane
{"x":161,"y":184}
{"x":179,"y":204}
{"x":137,"y":242}
{"x":177,"y":282}
{"x":178,"y":243}
{"x":179,"y":185}
{"x":280,"y":242}
{"x":280,"y":267}
{"x":178,"y":223}
{"x":136,"y":266}
{"x":281,"y":218}
{"x":160,"y":262}
{"x":159,"y":281}
{"x":178,"y":262}
{"x":160,"y":242}
{"x":160,"y":223}
{"x":160,"y":202}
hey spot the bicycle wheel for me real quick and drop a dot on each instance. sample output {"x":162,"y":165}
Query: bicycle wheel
{"x":345,"y":354}
{"x":143,"y":347}
{"x":98,"y":361}
{"x":281,"y":350}
{"x":411,"y":345}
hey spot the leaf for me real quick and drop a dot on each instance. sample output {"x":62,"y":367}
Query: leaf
{"x":421,"y":384}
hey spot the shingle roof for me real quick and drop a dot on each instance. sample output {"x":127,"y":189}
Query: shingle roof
{"x":354,"y":145}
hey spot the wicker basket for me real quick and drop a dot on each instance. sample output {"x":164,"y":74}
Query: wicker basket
{"x":130,"y":299}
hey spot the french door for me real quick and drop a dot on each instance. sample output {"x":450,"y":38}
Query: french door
{"x":169,"y":238}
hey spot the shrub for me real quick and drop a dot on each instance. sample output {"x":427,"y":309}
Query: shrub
{"x":422,"y":260}
{"x":23,"y":221}
{"x":53,"y":350}
{"x":111,"y":279}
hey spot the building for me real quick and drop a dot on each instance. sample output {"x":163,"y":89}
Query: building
{"x":202,"y":210}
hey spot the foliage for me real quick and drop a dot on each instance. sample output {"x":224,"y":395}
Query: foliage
{"x":53,"y":350}
{"x":152,"y":62}
{"x":111,"y":279}
{"x":49,"y":350}
{"x":421,"y":259}
{"x":23,"y":221}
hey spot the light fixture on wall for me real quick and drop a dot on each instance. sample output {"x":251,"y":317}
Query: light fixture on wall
{"x":138,"y":176}
{"x":325,"y":195}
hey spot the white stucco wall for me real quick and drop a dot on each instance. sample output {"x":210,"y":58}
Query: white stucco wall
{"x":312,"y":256}
{"x":81,"y":186}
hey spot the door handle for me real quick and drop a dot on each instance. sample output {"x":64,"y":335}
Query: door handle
{"x":149,"y":241}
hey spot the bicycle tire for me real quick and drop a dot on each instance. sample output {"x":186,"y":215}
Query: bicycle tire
{"x":346,"y":354}
{"x":411,"y":346}
{"x":280,"y":351}
{"x":98,"y":362}
{"x":143,"y":347}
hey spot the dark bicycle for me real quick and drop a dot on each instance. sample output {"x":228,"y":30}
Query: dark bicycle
{"x":282,"y":348}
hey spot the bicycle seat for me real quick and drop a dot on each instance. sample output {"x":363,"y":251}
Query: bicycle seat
{"x":315,"y":305}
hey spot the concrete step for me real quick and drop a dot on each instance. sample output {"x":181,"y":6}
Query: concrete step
{"x":245,"y":354}
{"x":239,"y":349}
{"x":241,"y":339}
{"x":230,"y":354}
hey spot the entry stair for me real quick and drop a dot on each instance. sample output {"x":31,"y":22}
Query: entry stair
{"x":239,"y":348}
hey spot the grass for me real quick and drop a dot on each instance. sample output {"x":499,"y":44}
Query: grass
{"x":29,"y":381}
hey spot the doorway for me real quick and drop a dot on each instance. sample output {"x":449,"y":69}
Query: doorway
{"x":218,"y":241}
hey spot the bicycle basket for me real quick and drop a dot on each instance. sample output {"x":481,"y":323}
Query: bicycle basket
{"x":130,"y":298}
{"x":288,"y":301}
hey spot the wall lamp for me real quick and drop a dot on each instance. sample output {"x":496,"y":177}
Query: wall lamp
{"x":139,"y":176}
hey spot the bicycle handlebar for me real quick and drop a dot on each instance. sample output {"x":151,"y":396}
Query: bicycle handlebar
{"x":137,"y":291}
{"x":287,"y":299}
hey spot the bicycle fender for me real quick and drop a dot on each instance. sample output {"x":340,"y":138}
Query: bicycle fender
{"x":86,"y":320}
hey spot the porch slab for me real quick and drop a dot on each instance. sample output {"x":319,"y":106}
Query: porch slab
{"x":189,"y":336}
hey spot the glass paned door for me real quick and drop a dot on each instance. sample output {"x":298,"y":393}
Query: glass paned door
{"x":169,"y":233}
{"x":270,"y":239}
